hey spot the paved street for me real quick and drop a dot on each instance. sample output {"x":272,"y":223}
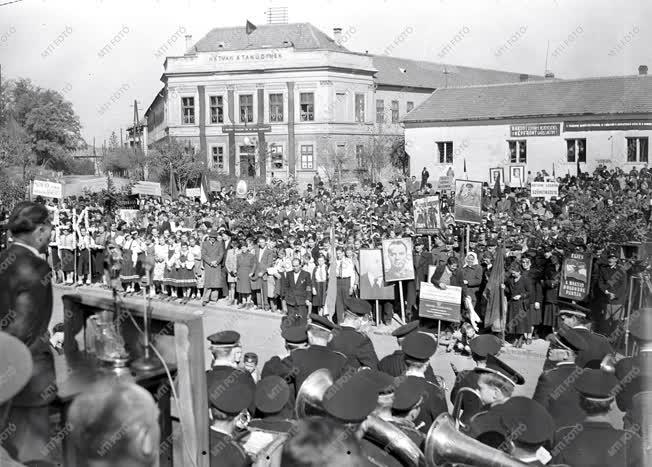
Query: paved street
{"x":261,"y":334}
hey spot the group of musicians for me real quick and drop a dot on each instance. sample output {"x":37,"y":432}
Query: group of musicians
{"x":567,"y":422}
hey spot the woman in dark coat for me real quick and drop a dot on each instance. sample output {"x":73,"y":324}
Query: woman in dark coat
{"x":518,"y":291}
{"x":244,"y":267}
{"x":472,"y":273}
{"x":551,"y":279}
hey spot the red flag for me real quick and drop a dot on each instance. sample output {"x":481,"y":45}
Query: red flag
{"x":579,"y":171}
{"x":174,"y":191}
{"x":250,"y":27}
{"x":496,"y":192}
{"x":331,"y":290}
{"x":495,"y":313}
{"x":553,"y":169}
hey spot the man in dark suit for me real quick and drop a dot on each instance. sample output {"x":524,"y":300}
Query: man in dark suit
{"x":612,"y":287}
{"x":296,"y":291}
{"x":25,"y":312}
{"x":597,"y":345}
{"x":449,"y":274}
{"x":554,"y":390}
{"x":264,"y":259}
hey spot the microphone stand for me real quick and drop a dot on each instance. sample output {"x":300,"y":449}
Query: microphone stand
{"x":146,"y":362}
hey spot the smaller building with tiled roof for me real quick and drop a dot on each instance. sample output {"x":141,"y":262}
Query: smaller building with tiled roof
{"x":510,"y":130}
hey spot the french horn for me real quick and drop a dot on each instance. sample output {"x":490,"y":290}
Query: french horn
{"x":445,"y":445}
{"x":309,"y":402}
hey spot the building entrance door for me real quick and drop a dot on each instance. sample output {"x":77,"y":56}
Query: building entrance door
{"x":247,"y":161}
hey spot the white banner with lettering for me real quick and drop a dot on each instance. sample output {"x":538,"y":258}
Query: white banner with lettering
{"x":47,"y":189}
{"x":544,"y":190}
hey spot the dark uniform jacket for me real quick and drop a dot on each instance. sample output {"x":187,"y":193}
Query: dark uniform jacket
{"x":394,"y":365}
{"x":471,"y":404}
{"x":410,"y":429}
{"x":434,"y":404}
{"x":556,"y":392}
{"x":25,"y":312}
{"x":615,"y":281}
{"x":357,"y":347}
{"x":598,"y":347}
{"x":596,"y":444}
{"x":224,"y":450}
{"x":376,"y":455}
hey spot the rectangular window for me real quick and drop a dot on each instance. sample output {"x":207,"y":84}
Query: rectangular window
{"x":218,"y":157}
{"x":637,"y":149}
{"x":576,"y":150}
{"x":188,"y":110}
{"x":517,"y":151}
{"x":380,"y":111}
{"x":307,"y":157}
{"x":340,"y":107}
{"x":359,"y":108}
{"x":307,"y":106}
{"x":276,"y":107}
{"x":276,"y":150}
{"x":445,"y":149}
{"x":217,"y":109}
{"x":410,"y":106}
{"x":359,"y":155}
{"x":394,"y":111}
{"x":247,"y":108}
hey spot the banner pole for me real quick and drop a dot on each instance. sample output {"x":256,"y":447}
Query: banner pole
{"x":377,"y":312}
{"x":438,"y":332}
{"x":400,"y":292}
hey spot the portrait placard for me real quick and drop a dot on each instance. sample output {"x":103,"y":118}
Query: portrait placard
{"x":372,"y":282}
{"x":468,"y":201}
{"x":576,"y":276}
{"x":427,"y":218}
{"x":397,"y":259}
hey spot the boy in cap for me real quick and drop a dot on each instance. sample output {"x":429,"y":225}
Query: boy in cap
{"x":598,"y":443}
{"x":348,"y":339}
{"x":418,"y":348}
{"x":496,"y":382}
{"x":226,"y":349}
{"x":562,"y":400}
{"x":274,"y":407}
{"x":229,"y":396}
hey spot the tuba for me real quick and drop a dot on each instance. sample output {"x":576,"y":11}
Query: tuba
{"x":608,"y":364}
{"x":642,"y":406}
{"x":446,"y":445}
{"x":457,"y":407}
{"x":309,"y":402}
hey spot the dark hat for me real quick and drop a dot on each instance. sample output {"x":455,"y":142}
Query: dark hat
{"x":272,"y":393}
{"x":408,"y":393}
{"x":419,"y":346}
{"x":321,"y":322}
{"x":224,"y":339}
{"x":357,"y":306}
{"x":250,"y":357}
{"x":596,"y":384}
{"x":527,"y":420}
{"x":640,"y":325}
{"x":213,"y":233}
{"x":406,"y":329}
{"x":230,"y":391}
{"x":570,"y":339}
{"x":16,"y":366}
{"x":566,"y":308}
{"x":500,"y":368}
{"x":384,"y":382}
{"x":295,"y":335}
{"x":485,"y":344}
{"x":611,"y":253}
{"x":351,"y":398}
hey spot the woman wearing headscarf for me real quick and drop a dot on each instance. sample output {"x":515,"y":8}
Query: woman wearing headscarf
{"x":472,"y":272}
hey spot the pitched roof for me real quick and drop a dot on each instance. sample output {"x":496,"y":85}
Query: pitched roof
{"x":589,"y":96}
{"x":395,"y":71}
{"x":303,"y":36}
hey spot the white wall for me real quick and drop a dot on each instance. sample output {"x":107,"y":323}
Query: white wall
{"x":485,"y":146}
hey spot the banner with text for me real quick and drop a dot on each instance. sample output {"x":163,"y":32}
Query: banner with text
{"x":146,"y":188}
{"x":534,"y":129}
{"x":544,"y":190}
{"x":193,"y":192}
{"x":443,"y":304}
{"x":576,"y":276}
{"x":47,"y":189}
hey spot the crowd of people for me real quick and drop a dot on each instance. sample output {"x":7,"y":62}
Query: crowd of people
{"x":275,"y":251}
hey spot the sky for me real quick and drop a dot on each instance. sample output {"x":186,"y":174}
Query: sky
{"x":582,"y":38}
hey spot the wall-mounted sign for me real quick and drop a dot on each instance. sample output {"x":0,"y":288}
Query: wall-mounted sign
{"x":608,"y":125}
{"x":246,"y":128}
{"x":245,"y":57}
{"x":534,"y":129}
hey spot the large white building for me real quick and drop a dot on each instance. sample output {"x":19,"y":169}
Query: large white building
{"x":535,"y":125}
{"x":285,"y":98}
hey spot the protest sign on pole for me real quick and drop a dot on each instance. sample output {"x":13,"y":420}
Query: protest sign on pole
{"x":468,"y":201}
{"x":47,"y":189}
{"x":146,"y":188}
{"x":442,"y":304}
{"x":193,"y":192}
{"x":427,"y":214}
{"x":576,"y":276}
{"x":128,"y":215}
{"x":544,"y":190}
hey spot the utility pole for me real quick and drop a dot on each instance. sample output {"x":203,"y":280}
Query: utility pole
{"x":121,"y":142}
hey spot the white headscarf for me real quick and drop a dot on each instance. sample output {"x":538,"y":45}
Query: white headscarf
{"x":474,"y":259}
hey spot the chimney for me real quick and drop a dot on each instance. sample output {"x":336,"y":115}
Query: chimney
{"x":337,"y":35}
{"x":642,"y":70}
{"x":523,"y":77}
{"x":188,"y":41}
{"x":549,"y":75}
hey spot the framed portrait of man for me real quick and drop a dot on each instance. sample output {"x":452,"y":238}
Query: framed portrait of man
{"x":468,"y":201}
{"x":398,"y":263}
{"x":372,"y":280}
{"x":496,"y":173}
{"x":427,"y":214}
{"x":516,"y":176}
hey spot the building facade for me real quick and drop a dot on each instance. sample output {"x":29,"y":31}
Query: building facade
{"x":289,"y":100}
{"x":549,"y":126}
